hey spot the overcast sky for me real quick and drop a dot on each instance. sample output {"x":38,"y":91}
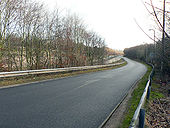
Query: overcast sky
{"x":112,"y":19}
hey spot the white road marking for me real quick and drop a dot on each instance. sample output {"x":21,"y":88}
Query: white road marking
{"x":87,"y":82}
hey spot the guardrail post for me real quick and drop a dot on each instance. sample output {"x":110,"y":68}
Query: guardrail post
{"x":150,"y":83}
{"x":140,"y":113}
{"x":148,"y":93}
{"x":142,"y":118}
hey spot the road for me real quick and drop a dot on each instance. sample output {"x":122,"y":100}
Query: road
{"x":82,"y":101}
{"x":117,"y":58}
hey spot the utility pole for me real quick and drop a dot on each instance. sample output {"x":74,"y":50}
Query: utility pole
{"x":163,"y":47}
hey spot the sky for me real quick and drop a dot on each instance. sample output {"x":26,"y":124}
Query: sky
{"x":114,"y":20}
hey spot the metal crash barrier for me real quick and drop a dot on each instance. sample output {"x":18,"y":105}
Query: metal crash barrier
{"x":56,"y":70}
{"x":139,"y":115}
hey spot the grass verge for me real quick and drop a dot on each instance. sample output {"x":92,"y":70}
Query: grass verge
{"x":34,"y":78}
{"x":135,"y":98}
{"x":155,"y":92}
{"x":157,"y":107}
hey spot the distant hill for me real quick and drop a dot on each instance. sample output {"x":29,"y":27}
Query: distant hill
{"x":113,"y":51}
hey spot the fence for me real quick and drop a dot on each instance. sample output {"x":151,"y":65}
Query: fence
{"x":139,"y":115}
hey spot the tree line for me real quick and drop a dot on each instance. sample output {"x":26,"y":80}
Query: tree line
{"x":33,"y":38}
{"x":159,"y":52}
{"x":151,"y":53}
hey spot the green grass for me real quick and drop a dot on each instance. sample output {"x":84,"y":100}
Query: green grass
{"x":134,"y":100}
{"x":33,"y":78}
{"x":155,"y":93}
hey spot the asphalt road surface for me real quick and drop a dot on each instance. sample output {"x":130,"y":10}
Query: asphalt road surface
{"x":82,"y":101}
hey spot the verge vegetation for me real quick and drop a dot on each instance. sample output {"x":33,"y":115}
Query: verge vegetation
{"x":135,"y":98}
{"x":31,"y":37}
{"x":155,"y":93}
{"x":157,"y":107}
{"x":33,"y":78}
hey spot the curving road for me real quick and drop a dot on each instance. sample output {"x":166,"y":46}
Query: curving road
{"x":82,"y":101}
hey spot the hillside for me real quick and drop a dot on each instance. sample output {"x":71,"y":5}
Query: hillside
{"x":113,"y":51}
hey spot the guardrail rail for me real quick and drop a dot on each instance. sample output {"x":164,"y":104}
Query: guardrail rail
{"x":139,"y":115}
{"x":56,"y":70}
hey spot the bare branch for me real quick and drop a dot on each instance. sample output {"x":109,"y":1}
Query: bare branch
{"x":144,"y":31}
{"x":153,"y":8}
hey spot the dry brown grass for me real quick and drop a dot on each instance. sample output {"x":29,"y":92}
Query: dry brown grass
{"x":40,"y":77}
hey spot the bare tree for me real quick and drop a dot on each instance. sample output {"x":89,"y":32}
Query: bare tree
{"x":33,"y":38}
